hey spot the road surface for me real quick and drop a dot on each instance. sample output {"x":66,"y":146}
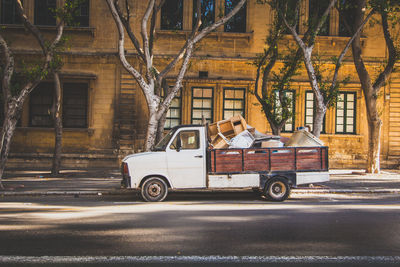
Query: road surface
{"x":230,"y":228}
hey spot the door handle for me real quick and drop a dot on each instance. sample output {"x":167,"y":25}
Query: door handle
{"x":198,"y":156}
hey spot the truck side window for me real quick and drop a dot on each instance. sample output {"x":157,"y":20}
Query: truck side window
{"x":188,"y":140}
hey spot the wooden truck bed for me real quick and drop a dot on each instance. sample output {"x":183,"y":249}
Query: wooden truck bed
{"x":265,"y":160}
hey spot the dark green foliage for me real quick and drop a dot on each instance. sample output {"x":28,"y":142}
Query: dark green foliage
{"x":328,"y":90}
{"x":275,"y":103}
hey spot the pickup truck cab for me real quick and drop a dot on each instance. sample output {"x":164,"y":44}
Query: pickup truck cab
{"x":184,"y":160}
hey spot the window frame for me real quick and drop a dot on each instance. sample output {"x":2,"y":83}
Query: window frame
{"x":293,"y":112}
{"x":234,"y":18}
{"x":202,"y":26}
{"x":345,"y":109}
{"x":48,"y":15}
{"x":35,"y":93}
{"x":181,"y":17}
{"x":243,"y":100}
{"x":16,"y":20}
{"x":64,"y":106}
{"x":323,"y":130}
{"x":179,"y":136}
{"x":328,"y":19}
{"x":86,"y":104}
{"x":193,"y":98}
{"x":82,"y":16}
{"x":179,"y":97}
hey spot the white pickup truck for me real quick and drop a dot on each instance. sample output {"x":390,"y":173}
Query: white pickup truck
{"x":184,"y":160}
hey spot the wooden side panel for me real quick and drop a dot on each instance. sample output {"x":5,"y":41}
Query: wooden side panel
{"x":324,"y":158}
{"x":269,"y":159}
{"x":282,"y":159}
{"x":308,"y":158}
{"x":256,"y":160}
{"x":229,"y":160}
{"x":212,"y":160}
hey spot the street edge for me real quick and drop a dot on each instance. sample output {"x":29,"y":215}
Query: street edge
{"x":127,"y":192}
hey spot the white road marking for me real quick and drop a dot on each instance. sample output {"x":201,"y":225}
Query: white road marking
{"x":199,"y":259}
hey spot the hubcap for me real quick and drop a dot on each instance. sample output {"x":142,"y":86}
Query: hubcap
{"x":278,"y":189}
{"x":154,"y":190}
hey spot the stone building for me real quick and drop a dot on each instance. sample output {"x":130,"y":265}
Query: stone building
{"x":104,"y":111}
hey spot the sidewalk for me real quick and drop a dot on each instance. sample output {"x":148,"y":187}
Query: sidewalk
{"x":107,"y":181}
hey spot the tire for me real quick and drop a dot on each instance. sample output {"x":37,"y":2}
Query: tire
{"x":154,"y":190}
{"x":277,"y":189}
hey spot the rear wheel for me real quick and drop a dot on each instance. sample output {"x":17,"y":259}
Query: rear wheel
{"x":154,"y":189}
{"x":277,"y":189}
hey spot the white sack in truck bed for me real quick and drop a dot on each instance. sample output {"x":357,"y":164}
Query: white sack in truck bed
{"x":243,"y":140}
{"x":303,"y":138}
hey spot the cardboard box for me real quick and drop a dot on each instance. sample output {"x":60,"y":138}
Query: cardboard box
{"x":219,"y":142}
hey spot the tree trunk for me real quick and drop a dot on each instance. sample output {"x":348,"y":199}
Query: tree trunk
{"x":318,"y":118}
{"x":276,"y":130}
{"x":58,"y":129}
{"x":370,"y":97}
{"x":7,"y":133}
{"x":152,"y":127}
{"x":374,"y":134}
{"x":160,"y":127}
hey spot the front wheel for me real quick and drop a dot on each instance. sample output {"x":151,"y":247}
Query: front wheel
{"x":277,"y":189}
{"x":154,"y":189}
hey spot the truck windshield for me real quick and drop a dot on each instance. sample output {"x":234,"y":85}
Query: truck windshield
{"x":164,"y":142}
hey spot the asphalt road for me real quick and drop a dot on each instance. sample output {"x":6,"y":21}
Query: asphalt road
{"x":201,"y":228}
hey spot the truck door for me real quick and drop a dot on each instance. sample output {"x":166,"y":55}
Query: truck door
{"x":186,"y":159}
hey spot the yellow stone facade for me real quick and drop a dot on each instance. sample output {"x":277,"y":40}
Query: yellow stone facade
{"x":92,"y":57}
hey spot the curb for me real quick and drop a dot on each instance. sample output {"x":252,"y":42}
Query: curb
{"x":346,"y":191}
{"x":64,"y":193}
{"x":127,"y":192}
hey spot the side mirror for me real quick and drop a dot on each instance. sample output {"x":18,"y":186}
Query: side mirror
{"x":178,"y":144}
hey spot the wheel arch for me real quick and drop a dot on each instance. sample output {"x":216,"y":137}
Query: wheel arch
{"x":265,"y":179}
{"x":165,"y":179}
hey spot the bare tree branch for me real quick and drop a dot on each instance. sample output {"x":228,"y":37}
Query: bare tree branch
{"x":346,"y":48}
{"x":145,"y":38}
{"x":323,"y":18}
{"x":393,"y":55}
{"x":258,"y":73}
{"x":179,"y":56}
{"x":127,"y":25}
{"x":218,"y":23}
{"x":185,"y":64}
{"x":7,"y":71}
{"x":138,"y":77}
{"x":153,"y":24}
{"x":34,"y":30}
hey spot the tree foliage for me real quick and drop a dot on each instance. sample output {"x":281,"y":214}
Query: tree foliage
{"x":275,"y":102}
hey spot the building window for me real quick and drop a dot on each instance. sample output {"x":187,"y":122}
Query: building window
{"x":172,"y":15}
{"x":346,"y":10}
{"x":316,"y":10}
{"x":202,"y":104}
{"x":80,"y":16}
{"x":40,"y":104}
{"x":174,"y":113}
{"x":346,"y":113}
{"x":9,"y":13}
{"x":44,"y":12}
{"x":234,"y":102}
{"x":289,"y":125}
{"x":310,"y":111}
{"x":207,"y":12}
{"x":75,"y":102}
{"x":293,"y":13}
{"x":238,"y":22}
